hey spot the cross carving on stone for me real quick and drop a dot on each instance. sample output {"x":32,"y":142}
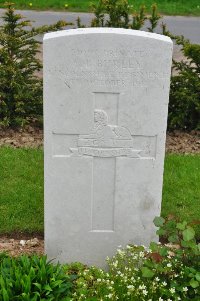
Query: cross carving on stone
{"x":105,"y":144}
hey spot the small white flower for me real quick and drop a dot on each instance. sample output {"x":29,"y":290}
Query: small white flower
{"x":160,"y":299}
{"x":164,"y":283}
{"x":172,"y":290}
{"x":169,"y":265}
{"x":185,"y":289}
{"x":142,"y":287}
{"x":145,"y":292}
{"x":130,"y":287}
{"x":157,"y":279}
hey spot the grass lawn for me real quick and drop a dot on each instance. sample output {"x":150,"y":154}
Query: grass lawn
{"x":21,"y":189}
{"x":169,"y":7}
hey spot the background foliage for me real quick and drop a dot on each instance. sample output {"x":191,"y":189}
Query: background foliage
{"x":21,"y":88}
{"x":184,"y":104}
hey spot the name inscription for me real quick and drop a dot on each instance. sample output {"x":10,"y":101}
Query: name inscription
{"x":104,"y":67}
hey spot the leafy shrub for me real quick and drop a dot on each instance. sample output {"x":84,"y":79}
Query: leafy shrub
{"x":160,"y":273}
{"x":184,"y":104}
{"x":33,"y":278}
{"x":21,"y":88}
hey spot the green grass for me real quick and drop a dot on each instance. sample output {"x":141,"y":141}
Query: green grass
{"x":181,"y":191}
{"x":169,"y":7}
{"x":21,"y":189}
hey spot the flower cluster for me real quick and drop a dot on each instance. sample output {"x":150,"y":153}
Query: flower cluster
{"x":134,"y":274}
{"x":158,"y":273}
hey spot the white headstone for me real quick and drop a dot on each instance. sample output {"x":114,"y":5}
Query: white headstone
{"x":105,"y":108}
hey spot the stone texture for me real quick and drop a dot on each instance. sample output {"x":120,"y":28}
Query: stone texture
{"x":105,"y":113}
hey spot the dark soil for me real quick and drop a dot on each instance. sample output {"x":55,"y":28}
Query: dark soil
{"x":177,"y":141}
{"x":16,"y":247}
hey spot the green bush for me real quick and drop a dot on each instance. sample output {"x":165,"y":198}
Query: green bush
{"x":184,"y":104}
{"x":158,"y":273}
{"x":21,"y":88}
{"x":33,"y":278}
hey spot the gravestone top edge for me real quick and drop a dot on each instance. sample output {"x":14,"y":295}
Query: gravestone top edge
{"x":105,"y":30}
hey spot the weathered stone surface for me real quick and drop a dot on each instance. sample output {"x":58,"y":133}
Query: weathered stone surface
{"x":105,"y":108}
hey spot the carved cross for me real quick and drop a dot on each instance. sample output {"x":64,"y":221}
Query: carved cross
{"x":104,"y":145}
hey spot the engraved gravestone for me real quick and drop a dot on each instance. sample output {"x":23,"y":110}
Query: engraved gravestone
{"x":105,"y":110}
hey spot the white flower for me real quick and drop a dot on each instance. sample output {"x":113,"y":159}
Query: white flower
{"x":160,"y":299}
{"x":185,"y":289}
{"x":142,"y":287}
{"x":98,"y":280}
{"x":169,"y":265}
{"x":115,"y":263}
{"x":157,"y":279}
{"x":120,"y":252}
{"x":172,"y":290}
{"x":130,"y":287}
{"x":164,"y":283}
{"x":145,"y":292}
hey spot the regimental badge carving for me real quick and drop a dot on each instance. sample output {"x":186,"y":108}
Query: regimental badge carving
{"x":105,"y":140}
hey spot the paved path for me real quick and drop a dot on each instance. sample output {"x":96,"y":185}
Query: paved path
{"x":187,"y":26}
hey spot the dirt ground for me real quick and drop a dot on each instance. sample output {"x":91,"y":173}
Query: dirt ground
{"x":177,"y":142}
{"x":17,"y":247}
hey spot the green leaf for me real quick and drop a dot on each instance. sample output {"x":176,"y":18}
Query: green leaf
{"x":161,"y":232}
{"x":5,"y":295}
{"x":197,"y":276}
{"x":181,"y":226}
{"x":188,"y":234}
{"x":194,"y":283}
{"x":173,"y":238}
{"x":153,"y":246}
{"x":48,"y":288}
{"x":147,"y":273}
{"x":38,"y":285}
{"x":163,"y":251}
{"x":158,"y":221}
